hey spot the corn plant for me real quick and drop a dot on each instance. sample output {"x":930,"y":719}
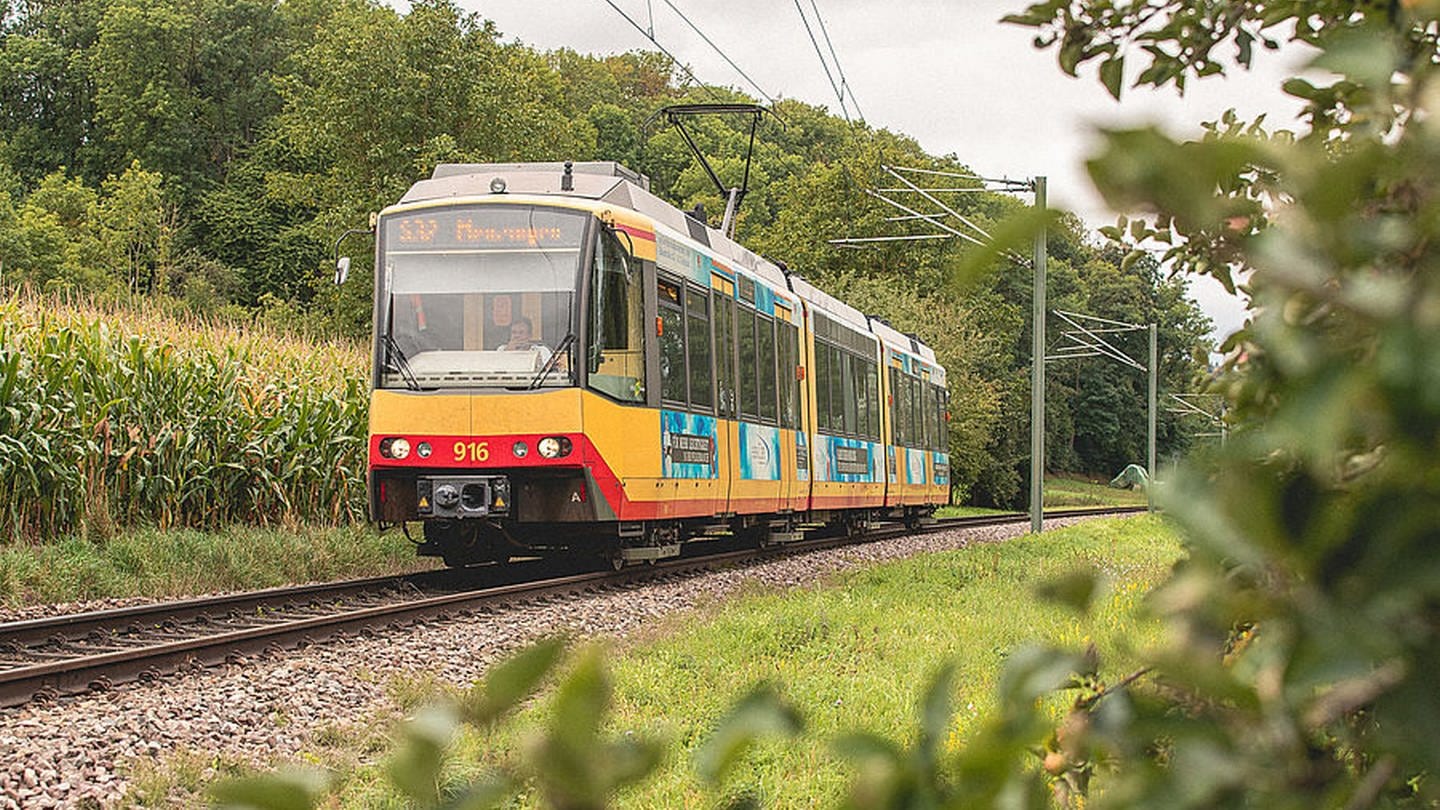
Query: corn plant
{"x":115,"y":416}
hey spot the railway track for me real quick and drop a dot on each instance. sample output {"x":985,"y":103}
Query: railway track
{"x":80,"y":652}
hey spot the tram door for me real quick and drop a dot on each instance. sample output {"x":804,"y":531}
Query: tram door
{"x":726,"y":429}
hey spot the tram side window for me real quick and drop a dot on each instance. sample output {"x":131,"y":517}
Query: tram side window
{"x":849,"y":395}
{"x":925,"y":412}
{"x":672,"y":343}
{"x":822,"y":386}
{"x":697,"y":316}
{"x":765,"y":365}
{"x":725,"y":352}
{"x":789,"y":386}
{"x":917,"y":423}
{"x":902,"y":404}
{"x":837,"y":389}
{"x":872,"y":398}
{"x":897,"y":430}
{"x":616,"y":356}
{"x":894,"y":403}
{"x":943,"y":401}
{"x":748,"y":393}
{"x":938,"y":415}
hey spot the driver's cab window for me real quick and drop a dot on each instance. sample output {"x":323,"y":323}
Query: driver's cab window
{"x":616,"y":354}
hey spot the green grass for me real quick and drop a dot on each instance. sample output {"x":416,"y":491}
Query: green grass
{"x":180,"y":562}
{"x":968,"y":511}
{"x":1060,"y":492}
{"x":854,"y":654}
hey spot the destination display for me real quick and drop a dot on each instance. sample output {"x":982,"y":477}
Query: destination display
{"x":491,"y":227}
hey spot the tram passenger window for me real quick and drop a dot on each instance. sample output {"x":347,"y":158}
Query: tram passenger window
{"x":837,"y":390}
{"x":925,"y":412}
{"x":917,"y":421}
{"x":894,"y":407}
{"x":672,"y":343}
{"x":850,"y":393}
{"x":697,"y":314}
{"x":903,"y":405}
{"x":942,"y":430}
{"x":788,"y":383}
{"x":748,"y":394}
{"x":765,"y":365}
{"x":616,"y":354}
{"x":725,"y":352}
{"x":872,"y":398}
{"x":822,"y":374}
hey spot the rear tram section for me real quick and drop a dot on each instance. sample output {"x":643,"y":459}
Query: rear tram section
{"x":563,"y":361}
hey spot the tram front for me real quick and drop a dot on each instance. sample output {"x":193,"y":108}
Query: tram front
{"x":492,"y":317}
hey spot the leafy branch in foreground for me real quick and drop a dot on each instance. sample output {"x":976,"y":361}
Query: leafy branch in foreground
{"x":1303,"y":628}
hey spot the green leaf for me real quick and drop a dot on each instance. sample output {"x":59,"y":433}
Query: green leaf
{"x":1032,"y":671}
{"x":581,"y":701}
{"x":760,"y":713}
{"x":512,"y":681}
{"x":492,"y":791}
{"x":1112,"y":73}
{"x":1013,"y":238}
{"x":936,"y":712}
{"x":1367,"y":57}
{"x":860,"y":747}
{"x":294,"y":790}
{"x":415,"y":768}
{"x":1074,"y":590}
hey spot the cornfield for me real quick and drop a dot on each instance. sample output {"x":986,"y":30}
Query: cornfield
{"x":119,"y":417}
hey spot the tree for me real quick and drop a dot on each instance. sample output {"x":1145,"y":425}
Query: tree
{"x":135,"y":228}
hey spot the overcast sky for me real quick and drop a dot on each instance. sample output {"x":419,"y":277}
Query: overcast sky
{"x":946,"y":73}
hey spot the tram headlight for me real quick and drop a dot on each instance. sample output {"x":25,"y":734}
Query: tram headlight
{"x":399,"y":448}
{"x":423,"y":449}
{"x":520,"y":449}
{"x":554,"y":447}
{"x":497,"y":185}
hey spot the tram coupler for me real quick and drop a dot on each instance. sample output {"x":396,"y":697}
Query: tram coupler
{"x":462,"y":496}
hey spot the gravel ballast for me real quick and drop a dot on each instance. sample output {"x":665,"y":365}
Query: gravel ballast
{"x":80,"y":750}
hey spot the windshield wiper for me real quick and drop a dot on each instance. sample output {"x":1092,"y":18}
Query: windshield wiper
{"x":402,"y":364}
{"x":554,"y":361}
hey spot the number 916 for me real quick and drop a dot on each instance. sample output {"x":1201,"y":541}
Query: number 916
{"x":472,"y":451}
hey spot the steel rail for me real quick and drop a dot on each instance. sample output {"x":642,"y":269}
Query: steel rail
{"x":85,"y":672}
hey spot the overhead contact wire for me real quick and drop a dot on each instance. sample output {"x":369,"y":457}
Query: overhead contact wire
{"x":844,"y":82}
{"x":723,"y":55}
{"x":650,"y":35}
{"x":823,"y":64}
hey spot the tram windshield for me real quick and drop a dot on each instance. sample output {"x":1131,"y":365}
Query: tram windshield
{"x":478,"y":296}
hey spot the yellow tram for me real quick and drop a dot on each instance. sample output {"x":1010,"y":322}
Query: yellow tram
{"x":563,"y":361}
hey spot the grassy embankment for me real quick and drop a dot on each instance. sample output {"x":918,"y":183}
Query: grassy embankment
{"x":132,"y":441}
{"x":855,"y":653}
{"x":1062,"y":492}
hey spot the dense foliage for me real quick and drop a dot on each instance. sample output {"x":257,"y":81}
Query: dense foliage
{"x":1305,"y":630}
{"x":211,"y":151}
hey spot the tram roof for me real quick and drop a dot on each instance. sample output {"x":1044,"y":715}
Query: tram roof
{"x":602,"y":180}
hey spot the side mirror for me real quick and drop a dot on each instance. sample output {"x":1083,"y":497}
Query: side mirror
{"x":342,"y":263}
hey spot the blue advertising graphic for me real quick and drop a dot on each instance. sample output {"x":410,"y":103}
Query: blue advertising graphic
{"x":941,"y":462}
{"x":844,"y":460}
{"x":802,"y":457}
{"x":688,"y":446}
{"x":915,"y":466}
{"x":759,"y":452}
